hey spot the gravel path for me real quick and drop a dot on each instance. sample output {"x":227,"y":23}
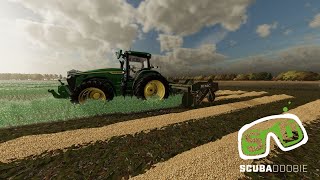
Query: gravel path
{"x":217,"y":159}
{"x":36,"y":144}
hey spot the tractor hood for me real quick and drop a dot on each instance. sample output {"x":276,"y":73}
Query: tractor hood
{"x":105,"y":70}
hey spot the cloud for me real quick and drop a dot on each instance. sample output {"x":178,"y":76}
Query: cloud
{"x":187,"y":61}
{"x":82,"y":35}
{"x":214,"y":37}
{"x":315,"y":23}
{"x":13,"y":47}
{"x":84,"y":31}
{"x":304,"y":58}
{"x":310,"y":38}
{"x":58,"y":37}
{"x":185,"y":17}
{"x":169,"y":42}
{"x":232,"y":43}
{"x":264,"y":30}
{"x":109,"y":21}
{"x":287,"y":32}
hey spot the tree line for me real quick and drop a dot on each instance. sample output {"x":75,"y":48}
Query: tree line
{"x":39,"y":77}
{"x":262,"y":76}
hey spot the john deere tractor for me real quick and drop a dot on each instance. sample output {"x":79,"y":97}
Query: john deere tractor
{"x":135,"y":77}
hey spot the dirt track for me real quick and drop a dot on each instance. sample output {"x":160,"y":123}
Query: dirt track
{"x":217,"y":159}
{"x":36,"y":144}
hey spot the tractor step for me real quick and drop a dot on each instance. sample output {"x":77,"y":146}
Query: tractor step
{"x":194,"y":93}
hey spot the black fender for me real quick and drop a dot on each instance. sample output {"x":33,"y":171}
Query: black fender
{"x":104,"y":79}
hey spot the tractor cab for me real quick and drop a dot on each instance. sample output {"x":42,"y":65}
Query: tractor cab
{"x":136,"y":67}
{"x":134,"y":61}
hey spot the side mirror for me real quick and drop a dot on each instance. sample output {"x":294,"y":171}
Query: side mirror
{"x":118,"y":54}
{"x":121,"y":64}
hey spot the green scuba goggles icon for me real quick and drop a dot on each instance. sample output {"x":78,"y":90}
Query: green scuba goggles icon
{"x":286,"y":129}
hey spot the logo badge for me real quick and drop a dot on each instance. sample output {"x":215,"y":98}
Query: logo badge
{"x":286,"y":129}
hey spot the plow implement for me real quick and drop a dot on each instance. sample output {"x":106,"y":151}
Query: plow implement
{"x":195,"y":93}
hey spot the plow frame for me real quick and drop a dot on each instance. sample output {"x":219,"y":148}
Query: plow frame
{"x":195,"y":93}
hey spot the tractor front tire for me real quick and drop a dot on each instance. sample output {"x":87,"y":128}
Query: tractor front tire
{"x":95,"y":89}
{"x":152,"y":86}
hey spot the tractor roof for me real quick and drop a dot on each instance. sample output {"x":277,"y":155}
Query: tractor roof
{"x":139,"y":54}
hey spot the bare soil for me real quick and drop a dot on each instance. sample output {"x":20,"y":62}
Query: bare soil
{"x":219,"y":158}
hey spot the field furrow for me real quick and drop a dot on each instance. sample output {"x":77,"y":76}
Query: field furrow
{"x":36,"y":144}
{"x":217,"y":159}
{"x":229,"y":92}
{"x":233,"y":95}
{"x":242,"y":95}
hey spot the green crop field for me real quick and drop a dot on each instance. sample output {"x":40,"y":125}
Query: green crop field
{"x":28,"y":102}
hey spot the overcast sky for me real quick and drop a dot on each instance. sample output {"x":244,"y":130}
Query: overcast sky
{"x":186,"y":37}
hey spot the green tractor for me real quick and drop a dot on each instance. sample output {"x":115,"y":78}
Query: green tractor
{"x":135,"y":77}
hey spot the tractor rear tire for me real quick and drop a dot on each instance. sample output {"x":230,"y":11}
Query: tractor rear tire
{"x":140,"y":85}
{"x":99,"y":85}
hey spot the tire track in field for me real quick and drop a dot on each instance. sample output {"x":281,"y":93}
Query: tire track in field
{"x":243,"y":95}
{"x":36,"y":144}
{"x":229,"y":92}
{"x":230,"y":95}
{"x":217,"y":159}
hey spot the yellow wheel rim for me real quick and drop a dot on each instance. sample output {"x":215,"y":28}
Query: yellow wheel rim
{"x":91,"y":93}
{"x":154,"y":89}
